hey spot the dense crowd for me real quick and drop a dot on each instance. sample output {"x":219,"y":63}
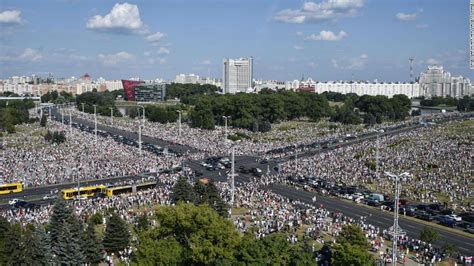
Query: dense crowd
{"x":438,"y":160}
{"x":30,"y":159}
{"x":212,"y":142}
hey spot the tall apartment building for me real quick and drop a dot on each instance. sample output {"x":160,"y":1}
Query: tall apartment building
{"x":471,"y":36}
{"x":435,"y":81}
{"x":237,"y":74}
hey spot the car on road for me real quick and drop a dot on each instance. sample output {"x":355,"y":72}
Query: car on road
{"x":12,"y":202}
{"x":48,"y":197}
{"x":447,"y":222}
{"x":454,"y":217}
{"x":424,"y":216}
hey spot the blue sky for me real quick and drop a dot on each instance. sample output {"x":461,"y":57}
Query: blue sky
{"x":323,"y":39}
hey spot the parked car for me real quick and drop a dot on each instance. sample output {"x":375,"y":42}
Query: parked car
{"x":454,"y":217}
{"x":447,"y":222}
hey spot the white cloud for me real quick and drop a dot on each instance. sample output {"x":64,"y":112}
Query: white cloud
{"x":114,"y":59}
{"x":31,"y":55}
{"x":327,"y":36}
{"x":404,"y":17}
{"x":297,"y":47}
{"x":313,"y":64}
{"x":10,"y":17}
{"x":353,"y":63}
{"x":206,"y":62}
{"x":323,"y":11}
{"x":155,"y":37}
{"x":163,"y":50}
{"x":432,"y":61}
{"x":123,"y":18}
{"x":299,"y":33}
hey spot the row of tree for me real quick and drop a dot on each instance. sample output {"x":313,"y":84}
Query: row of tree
{"x":103,"y":101}
{"x":55,"y":137}
{"x":14,"y":112}
{"x":256,"y":111}
{"x":183,"y":91}
{"x":200,"y":193}
{"x":65,"y":240}
{"x":196,"y":235}
{"x":58,"y":98}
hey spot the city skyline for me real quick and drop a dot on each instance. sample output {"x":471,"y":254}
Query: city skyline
{"x":324,"y":40}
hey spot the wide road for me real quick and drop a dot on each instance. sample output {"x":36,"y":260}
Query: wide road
{"x":174,"y":147}
{"x":374,"y":216}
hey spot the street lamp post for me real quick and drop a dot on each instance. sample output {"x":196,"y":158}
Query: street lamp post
{"x":395,"y":230}
{"x":143,"y":117}
{"x":232,"y":175}
{"x":179,"y":123}
{"x":111,"y":115}
{"x":140,"y":139}
{"x":49,"y":112}
{"x":377,"y":154}
{"x":70,"y":121}
{"x":225,"y":126}
{"x":82,"y":108}
{"x":62,"y":116}
{"x":95,"y":122}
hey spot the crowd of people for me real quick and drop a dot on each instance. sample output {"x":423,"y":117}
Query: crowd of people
{"x":438,"y":160}
{"x":439,"y":163}
{"x":28,"y":158}
{"x":212,"y":142}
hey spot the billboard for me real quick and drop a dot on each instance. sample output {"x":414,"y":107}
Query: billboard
{"x":129,"y":89}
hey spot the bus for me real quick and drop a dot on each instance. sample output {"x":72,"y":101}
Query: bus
{"x":83,"y":192}
{"x":11,"y":188}
{"x":111,"y":191}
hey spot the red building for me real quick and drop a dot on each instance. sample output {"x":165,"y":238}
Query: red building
{"x":129,"y":89}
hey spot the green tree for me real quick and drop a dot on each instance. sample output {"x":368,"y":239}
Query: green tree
{"x":429,"y":235}
{"x":15,"y":246}
{"x":182,"y":191}
{"x":117,"y":235}
{"x":450,"y":250}
{"x":44,"y":246}
{"x":346,"y":254}
{"x":91,"y":246}
{"x":4,"y":228}
{"x":57,"y":221}
{"x":204,"y":237}
{"x":352,"y":234}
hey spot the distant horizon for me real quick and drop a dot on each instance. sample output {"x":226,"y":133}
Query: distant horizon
{"x":326,"y":40}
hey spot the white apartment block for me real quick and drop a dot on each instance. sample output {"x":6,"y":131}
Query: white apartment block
{"x":113,"y":85}
{"x":435,"y":81}
{"x":471,"y":34}
{"x":237,"y":75}
{"x":370,"y":88}
{"x":186,"y":79}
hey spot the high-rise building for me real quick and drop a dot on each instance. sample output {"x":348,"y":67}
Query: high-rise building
{"x":237,"y":75}
{"x":435,"y":81}
{"x":471,"y":36}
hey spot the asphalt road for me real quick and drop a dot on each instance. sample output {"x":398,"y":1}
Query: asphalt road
{"x":174,"y":147}
{"x":374,"y":216}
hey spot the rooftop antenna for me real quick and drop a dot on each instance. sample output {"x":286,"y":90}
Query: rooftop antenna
{"x":411,"y":68}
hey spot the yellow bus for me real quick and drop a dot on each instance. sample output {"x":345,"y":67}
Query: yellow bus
{"x":111,"y":191}
{"x":11,"y":188}
{"x":84,"y":192}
